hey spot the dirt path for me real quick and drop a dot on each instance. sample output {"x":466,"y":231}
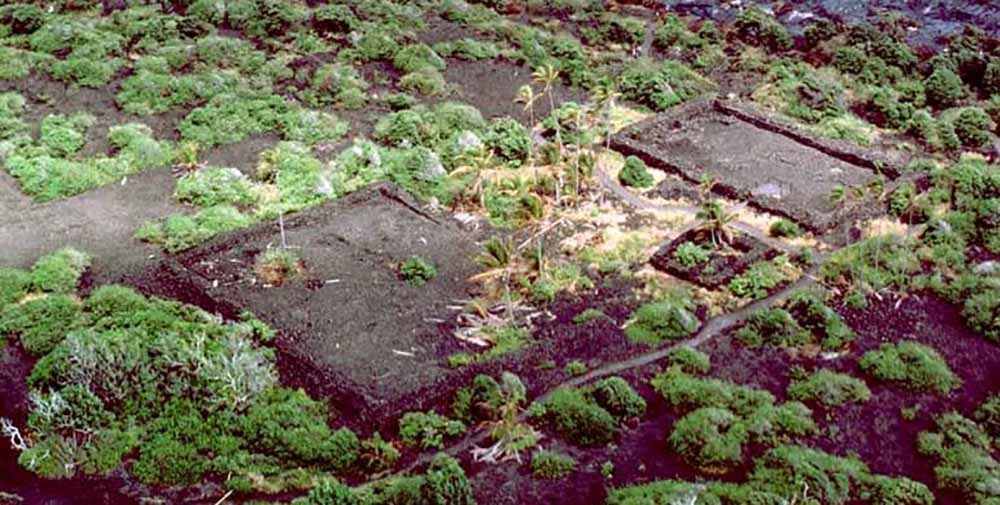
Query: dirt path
{"x":11,"y":198}
{"x":100,"y":222}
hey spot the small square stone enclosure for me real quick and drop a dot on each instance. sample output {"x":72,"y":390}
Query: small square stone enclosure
{"x":350,"y":329}
{"x":754,"y":158}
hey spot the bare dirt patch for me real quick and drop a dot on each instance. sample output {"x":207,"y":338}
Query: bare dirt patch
{"x":101,"y":222}
{"x":350,"y":329}
{"x":769,"y":169}
{"x":491,"y":86}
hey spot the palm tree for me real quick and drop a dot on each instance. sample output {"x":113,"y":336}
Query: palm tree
{"x":547,"y":75}
{"x":604,"y":96}
{"x":715,"y":219}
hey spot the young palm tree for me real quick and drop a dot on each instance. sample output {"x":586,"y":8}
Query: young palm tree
{"x":715,"y":219}
{"x":547,"y":75}
{"x":604,"y":96}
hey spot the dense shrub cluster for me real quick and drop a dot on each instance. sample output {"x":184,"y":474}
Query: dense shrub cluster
{"x":784,"y":472}
{"x":721,"y":418}
{"x":914,"y":365}
{"x":661,"y":85}
{"x":444,"y":483}
{"x":51,"y":167}
{"x":590,"y":416}
{"x":963,"y":453}
{"x":163,"y":385}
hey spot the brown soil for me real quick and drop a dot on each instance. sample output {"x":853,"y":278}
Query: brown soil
{"x":491,"y":86}
{"x":770,"y":170}
{"x":350,"y":330}
{"x":101,"y":222}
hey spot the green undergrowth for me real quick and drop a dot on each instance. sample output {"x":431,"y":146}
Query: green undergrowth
{"x":170,"y":391}
{"x":914,"y":365}
{"x":591,"y":415}
{"x":52,"y":166}
{"x":804,"y":319}
{"x":786,"y":474}
{"x":963,"y":453}
{"x":720,"y":419}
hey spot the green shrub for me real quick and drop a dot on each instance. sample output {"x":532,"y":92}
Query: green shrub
{"x":882,"y":490}
{"x":14,"y":284}
{"x":426,"y":81}
{"x":691,"y":255}
{"x":22,"y":18}
{"x":551,"y":465}
{"x":373,"y":45}
{"x":180,"y":232}
{"x":311,"y":127}
{"x":656,"y":322}
{"x":616,"y":396}
{"x":812,"y":313}
{"x":887,"y":109}
{"x":334,"y":18}
{"x":687,"y":393}
{"x":427,"y":429}
{"x":211,"y":186}
{"x":377,"y":454}
{"x":972,"y":127}
{"x":287,"y":424}
{"x":479,"y":401}
{"x":963,"y":457}
{"x":757,"y":27}
{"x":915,"y":365}
{"x":757,"y":281}
{"x":944,"y":88}
{"x":417,"y":271}
{"x":988,"y":415}
{"x":416,"y":57}
{"x":784,"y":228}
{"x":689,"y":360}
{"x":635,"y":174}
{"x":59,"y":272}
{"x":575,"y":368}
{"x":577,"y":418}
{"x":710,"y":438}
{"x":873,"y":264}
{"x":661,"y":85}
{"x":773,"y":326}
{"x":329,"y":492}
{"x":41,"y":323}
{"x":509,"y":140}
{"x":802,"y":92}
{"x":831,"y":480}
{"x":336,"y":84}
{"x":446,"y":484}
{"x":468,"y":49}
{"x":617,"y":29}
{"x":589,"y":315}
{"x":672,"y":31}
{"x":65,"y":135}
{"x":828,"y":388}
{"x":228,"y":118}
